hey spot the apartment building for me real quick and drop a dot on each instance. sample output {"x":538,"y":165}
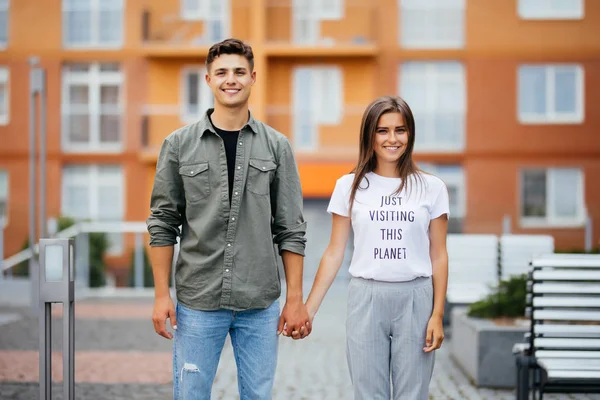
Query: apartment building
{"x":506,"y":95}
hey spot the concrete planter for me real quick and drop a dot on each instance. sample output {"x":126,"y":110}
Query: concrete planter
{"x":483,"y":350}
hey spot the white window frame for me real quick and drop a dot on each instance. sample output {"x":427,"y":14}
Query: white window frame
{"x":204,"y":12}
{"x":454,"y":177}
{"x":431,"y":6}
{"x":322,"y":111}
{"x":550,"y":116}
{"x":552,"y":220}
{"x":5,"y":198}
{"x":549,"y":13}
{"x":5,"y":8}
{"x":312,"y":12}
{"x":95,"y":28}
{"x":92,"y":182}
{"x":432,"y":75}
{"x":94,"y":79}
{"x":5,"y":79}
{"x":205,"y":95}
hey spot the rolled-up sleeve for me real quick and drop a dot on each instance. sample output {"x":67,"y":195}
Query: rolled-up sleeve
{"x":288,"y":227}
{"x":168,"y":200}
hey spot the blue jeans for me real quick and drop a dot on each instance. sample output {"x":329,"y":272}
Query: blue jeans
{"x":199,"y":340}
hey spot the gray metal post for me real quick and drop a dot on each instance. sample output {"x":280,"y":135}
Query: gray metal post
{"x":589,"y":232}
{"x":56,"y":285}
{"x":1,"y":250}
{"x":34,"y":85}
{"x":42,"y":96}
{"x":139,"y":261}
{"x":506,"y":224}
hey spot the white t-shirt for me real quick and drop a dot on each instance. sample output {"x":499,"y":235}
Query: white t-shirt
{"x":391,"y":232}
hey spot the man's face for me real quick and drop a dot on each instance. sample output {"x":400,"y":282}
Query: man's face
{"x":231,"y":80}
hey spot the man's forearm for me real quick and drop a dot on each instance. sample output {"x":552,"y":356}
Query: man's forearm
{"x":293,"y":265}
{"x":161,"y":258}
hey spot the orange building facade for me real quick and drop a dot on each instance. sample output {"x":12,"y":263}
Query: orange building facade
{"x":506,"y":96}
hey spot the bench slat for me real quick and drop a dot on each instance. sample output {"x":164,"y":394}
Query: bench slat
{"x":568,"y":261}
{"x":570,"y":343}
{"x":568,"y":374}
{"x":549,"y":329}
{"x":567,"y":354}
{"x":566,"y":275}
{"x":571,"y":301}
{"x":566,"y":315}
{"x":581,"y":288}
{"x":569,"y":363}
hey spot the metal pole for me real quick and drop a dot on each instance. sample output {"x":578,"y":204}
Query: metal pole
{"x":1,"y":250}
{"x":588,"y":233}
{"x":33,"y":86}
{"x":42,"y":96}
{"x":139,"y":261}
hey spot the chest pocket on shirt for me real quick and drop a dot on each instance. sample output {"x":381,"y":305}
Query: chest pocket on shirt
{"x":195,"y":181}
{"x":260,"y":173}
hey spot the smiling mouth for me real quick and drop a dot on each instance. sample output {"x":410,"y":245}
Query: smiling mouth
{"x":392,"y":148}
{"x":231,"y":91}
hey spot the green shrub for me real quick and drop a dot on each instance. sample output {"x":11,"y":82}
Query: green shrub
{"x":507,"y":300}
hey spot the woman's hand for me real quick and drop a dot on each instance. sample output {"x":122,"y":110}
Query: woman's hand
{"x":435,"y":334}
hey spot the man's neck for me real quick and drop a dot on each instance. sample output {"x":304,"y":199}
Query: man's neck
{"x":230,"y":119}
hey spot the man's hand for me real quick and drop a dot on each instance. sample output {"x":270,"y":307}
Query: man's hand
{"x":435,"y":334}
{"x":294,"y":320}
{"x":163,"y":309}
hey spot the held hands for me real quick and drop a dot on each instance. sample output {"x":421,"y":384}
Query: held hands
{"x":163,"y":309}
{"x":294,"y":321}
{"x":435,"y":334}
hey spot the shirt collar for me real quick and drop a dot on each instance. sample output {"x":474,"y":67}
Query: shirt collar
{"x":206,"y":125}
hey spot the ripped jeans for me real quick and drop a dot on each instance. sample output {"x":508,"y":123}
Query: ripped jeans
{"x":198,"y":342}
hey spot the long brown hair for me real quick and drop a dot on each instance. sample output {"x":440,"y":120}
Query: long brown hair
{"x":367,"y":160}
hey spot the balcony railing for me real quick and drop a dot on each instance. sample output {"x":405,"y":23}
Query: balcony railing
{"x":352,"y":24}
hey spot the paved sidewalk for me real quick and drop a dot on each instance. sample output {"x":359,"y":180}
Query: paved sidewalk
{"x":118,"y":357}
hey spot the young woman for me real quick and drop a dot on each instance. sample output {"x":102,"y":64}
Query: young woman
{"x":399,"y":268}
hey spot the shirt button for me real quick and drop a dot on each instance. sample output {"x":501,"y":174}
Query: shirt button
{"x":227,"y":270}
{"x":240,"y":143}
{"x":239,"y":167}
{"x":236,"y":193}
{"x":228,"y":244}
{"x":264,"y":167}
{"x":233,"y":218}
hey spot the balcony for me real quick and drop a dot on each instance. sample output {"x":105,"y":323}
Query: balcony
{"x":168,"y":31}
{"x":308,"y":30}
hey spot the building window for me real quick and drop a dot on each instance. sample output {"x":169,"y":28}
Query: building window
{"x":4,"y":13}
{"x":551,"y":94}
{"x":3,"y":199}
{"x":436,"y":94}
{"x":307,"y":16}
{"x":551,"y":9}
{"x":95,"y":193}
{"x":92,"y":106}
{"x":214,"y":13}
{"x":432,"y":24}
{"x":318,"y":99}
{"x":553,"y":196}
{"x":93,"y":23}
{"x":4,"y":96}
{"x":197,"y":95}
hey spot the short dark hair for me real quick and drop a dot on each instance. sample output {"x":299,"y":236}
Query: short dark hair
{"x":230,"y":46}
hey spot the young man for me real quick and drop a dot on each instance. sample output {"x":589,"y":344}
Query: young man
{"x":231,"y":183}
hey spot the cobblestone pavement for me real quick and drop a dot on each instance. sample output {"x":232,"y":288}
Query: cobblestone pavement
{"x":118,"y":356}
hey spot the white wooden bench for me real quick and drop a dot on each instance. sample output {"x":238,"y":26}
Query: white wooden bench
{"x":563,"y":348}
{"x":472,"y":267}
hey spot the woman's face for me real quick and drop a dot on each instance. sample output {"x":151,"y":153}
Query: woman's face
{"x":391,"y":138}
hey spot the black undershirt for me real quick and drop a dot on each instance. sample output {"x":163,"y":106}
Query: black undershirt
{"x":230,"y":139}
